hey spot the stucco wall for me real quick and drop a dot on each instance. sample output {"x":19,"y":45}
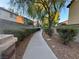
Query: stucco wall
{"x":74,"y":13}
{"x":7,"y":16}
{"x":5,"y":25}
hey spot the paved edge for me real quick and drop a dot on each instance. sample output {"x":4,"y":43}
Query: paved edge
{"x":47,"y":44}
{"x":49,"y":52}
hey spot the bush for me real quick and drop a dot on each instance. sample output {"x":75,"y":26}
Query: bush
{"x":20,"y":34}
{"x":67,"y":35}
{"x":46,"y":31}
{"x":45,"y":26}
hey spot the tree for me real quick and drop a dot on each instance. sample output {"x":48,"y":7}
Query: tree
{"x":41,"y":8}
{"x":13,"y":10}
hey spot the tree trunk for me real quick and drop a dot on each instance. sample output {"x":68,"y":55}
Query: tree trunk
{"x":50,"y":28}
{"x":50,"y":24}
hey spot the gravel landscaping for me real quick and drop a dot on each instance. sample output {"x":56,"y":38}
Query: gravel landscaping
{"x":70,"y":51}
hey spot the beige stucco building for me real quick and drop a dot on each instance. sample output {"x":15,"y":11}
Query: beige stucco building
{"x":74,"y":12}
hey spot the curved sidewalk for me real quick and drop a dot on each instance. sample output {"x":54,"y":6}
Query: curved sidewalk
{"x":38,"y":48}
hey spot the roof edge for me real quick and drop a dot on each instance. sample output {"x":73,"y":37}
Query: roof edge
{"x":7,"y":10}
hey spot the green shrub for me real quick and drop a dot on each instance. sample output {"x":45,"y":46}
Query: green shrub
{"x":45,"y":26}
{"x":67,"y":35}
{"x":46,"y":31}
{"x":20,"y":34}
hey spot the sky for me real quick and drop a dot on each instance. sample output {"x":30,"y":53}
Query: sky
{"x":63,"y":15}
{"x":4,"y":3}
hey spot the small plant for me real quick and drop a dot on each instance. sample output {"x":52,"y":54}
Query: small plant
{"x":21,"y":34}
{"x":45,"y":29}
{"x":67,"y":35}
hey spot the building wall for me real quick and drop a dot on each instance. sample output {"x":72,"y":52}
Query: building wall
{"x":7,"y":16}
{"x":9,"y":21}
{"x":9,"y":25}
{"x":74,"y":13}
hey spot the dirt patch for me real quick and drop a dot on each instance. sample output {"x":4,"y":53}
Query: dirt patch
{"x":62,"y":51}
{"x":21,"y":47}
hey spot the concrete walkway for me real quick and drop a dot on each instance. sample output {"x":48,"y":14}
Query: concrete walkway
{"x":38,"y":48}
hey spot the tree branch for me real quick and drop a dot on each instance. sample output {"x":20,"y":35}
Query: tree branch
{"x":45,"y":5}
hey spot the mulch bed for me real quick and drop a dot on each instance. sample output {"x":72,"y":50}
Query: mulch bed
{"x":62,"y":51}
{"x":21,"y":47}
